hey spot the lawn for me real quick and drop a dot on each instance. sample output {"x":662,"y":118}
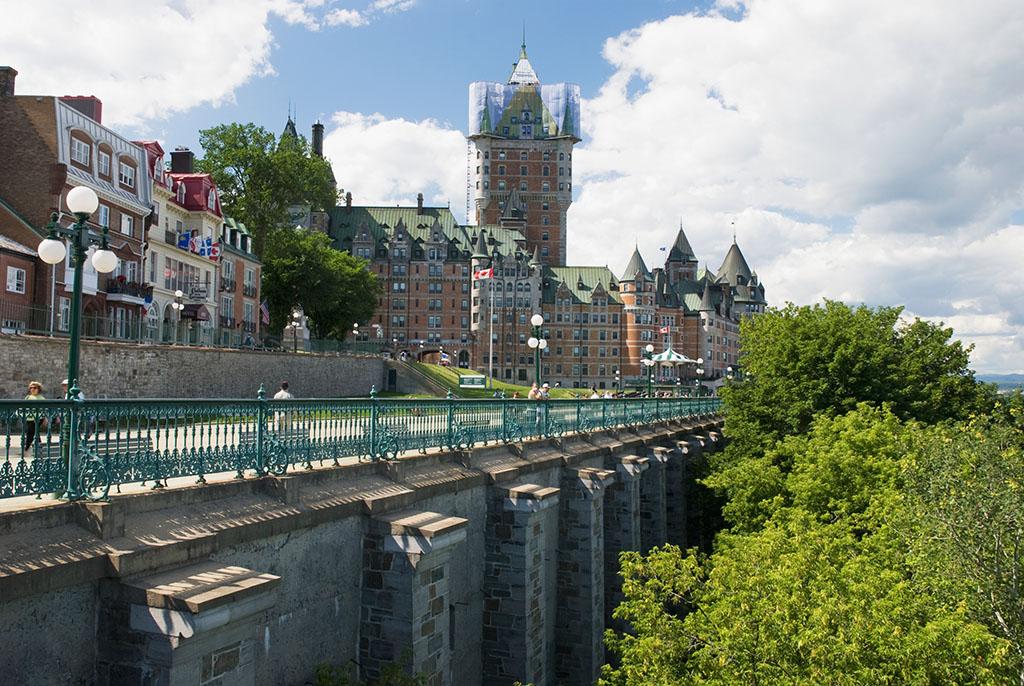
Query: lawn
{"x":449,"y":378}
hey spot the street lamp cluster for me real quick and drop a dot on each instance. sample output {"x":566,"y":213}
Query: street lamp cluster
{"x":648,"y":360}
{"x":82,"y":202}
{"x":537,"y":342}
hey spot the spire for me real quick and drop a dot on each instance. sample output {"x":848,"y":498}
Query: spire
{"x":522,"y":71}
{"x":480,"y":250}
{"x":705,"y":298}
{"x":513,"y":206}
{"x":636,"y":266}
{"x":535,"y":261}
{"x":681,"y":250}
{"x":734,"y":268}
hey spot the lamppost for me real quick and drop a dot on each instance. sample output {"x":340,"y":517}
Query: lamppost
{"x":296,"y":323}
{"x":679,"y":387}
{"x":648,"y":355}
{"x":537,"y":342}
{"x":82,"y":202}
{"x":177,"y":306}
{"x":700,"y":375}
{"x":618,"y":381}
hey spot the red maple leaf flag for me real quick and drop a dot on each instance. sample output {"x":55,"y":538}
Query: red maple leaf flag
{"x":664,"y":329}
{"x":483,"y":274}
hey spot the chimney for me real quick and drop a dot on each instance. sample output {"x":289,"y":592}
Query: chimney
{"x":419,"y":203}
{"x":318,"y":139}
{"x":89,"y":105}
{"x":181,"y":160}
{"x":348,"y":203}
{"x":7,"y":75}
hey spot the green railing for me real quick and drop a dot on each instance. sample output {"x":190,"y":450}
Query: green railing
{"x":150,"y":441}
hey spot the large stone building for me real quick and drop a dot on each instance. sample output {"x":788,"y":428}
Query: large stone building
{"x":596,"y":324}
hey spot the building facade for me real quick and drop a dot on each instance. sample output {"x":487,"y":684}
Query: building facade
{"x":596,"y":324}
{"x":50,"y":145}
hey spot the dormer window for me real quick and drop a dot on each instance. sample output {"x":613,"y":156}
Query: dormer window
{"x":80,"y":151}
{"x":211,"y":200}
{"x":181,"y":193}
{"x":127,"y":175}
{"x":526,"y":115}
{"x":158,"y":170}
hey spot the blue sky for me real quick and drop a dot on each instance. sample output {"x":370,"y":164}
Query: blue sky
{"x":861,"y":150}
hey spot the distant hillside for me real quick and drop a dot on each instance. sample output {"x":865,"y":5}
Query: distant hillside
{"x":1005,"y":381}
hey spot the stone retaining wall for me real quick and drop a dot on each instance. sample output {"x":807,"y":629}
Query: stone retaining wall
{"x":484,"y":566}
{"x":126,"y":370}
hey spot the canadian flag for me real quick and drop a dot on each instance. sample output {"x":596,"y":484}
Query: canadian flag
{"x":483,"y":274}
{"x":663,"y":329}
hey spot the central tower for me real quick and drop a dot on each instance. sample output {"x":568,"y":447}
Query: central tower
{"x":523,"y":134}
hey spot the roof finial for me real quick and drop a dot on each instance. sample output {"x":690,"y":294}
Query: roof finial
{"x":522,"y":54}
{"x":734,"y":233}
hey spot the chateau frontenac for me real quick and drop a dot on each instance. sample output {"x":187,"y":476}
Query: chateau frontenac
{"x":597,"y":323}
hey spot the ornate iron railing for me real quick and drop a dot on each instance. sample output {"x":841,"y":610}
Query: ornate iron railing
{"x":150,"y":441}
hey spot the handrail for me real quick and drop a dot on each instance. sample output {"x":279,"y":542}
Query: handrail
{"x":149,"y":441}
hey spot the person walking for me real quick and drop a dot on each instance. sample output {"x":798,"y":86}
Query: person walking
{"x":35,"y":392}
{"x":284,"y":419}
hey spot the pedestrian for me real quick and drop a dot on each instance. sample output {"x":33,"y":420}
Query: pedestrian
{"x":515,"y":395}
{"x":534,"y":393}
{"x":545,"y":392}
{"x":35,"y":392}
{"x":284,"y":419}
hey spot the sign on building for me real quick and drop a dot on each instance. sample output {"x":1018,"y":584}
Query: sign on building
{"x":472,"y":381}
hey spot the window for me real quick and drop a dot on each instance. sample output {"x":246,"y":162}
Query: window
{"x":522,"y":186}
{"x":103,"y":216}
{"x":249,"y":312}
{"x":15,"y":280}
{"x":522,"y":170}
{"x":561,"y":156}
{"x":545,"y":221}
{"x":545,"y":187}
{"x":104,"y":163}
{"x":501,"y":155}
{"x":80,"y":151}
{"x":127,"y":175}
{"x":181,"y":193}
{"x":127,"y":224}
{"x":561,"y":171}
{"x":522,"y":155}
{"x":544,"y":250}
{"x":544,"y":206}
{"x":501,"y":169}
{"x":501,"y":185}
{"x":211,"y":201}
{"x":546,"y":171}
{"x":487,"y":154}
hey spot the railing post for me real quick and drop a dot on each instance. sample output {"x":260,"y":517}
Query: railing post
{"x":69,"y":436}
{"x":373,"y":422}
{"x":504,"y":418}
{"x":451,"y":418}
{"x":261,"y":422}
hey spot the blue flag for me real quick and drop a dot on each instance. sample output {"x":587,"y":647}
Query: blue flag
{"x":183,"y":240}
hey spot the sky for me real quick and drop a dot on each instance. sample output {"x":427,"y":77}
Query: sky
{"x":868,"y":151}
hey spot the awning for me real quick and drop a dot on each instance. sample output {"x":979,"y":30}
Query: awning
{"x":671,"y":357}
{"x":196,"y":311}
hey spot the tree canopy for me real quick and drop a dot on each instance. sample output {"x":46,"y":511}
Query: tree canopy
{"x":260,"y":177}
{"x":875,"y":495}
{"x":333,"y":288}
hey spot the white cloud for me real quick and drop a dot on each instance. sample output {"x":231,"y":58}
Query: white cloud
{"x":388,"y":161}
{"x":160,"y":57}
{"x":341,"y":17}
{"x":866,"y":151}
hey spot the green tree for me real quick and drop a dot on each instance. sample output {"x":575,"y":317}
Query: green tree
{"x":967,"y":488}
{"x":834,"y":584}
{"x":804,"y":362}
{"x":260,"y":177}
{"x":333,"y":288}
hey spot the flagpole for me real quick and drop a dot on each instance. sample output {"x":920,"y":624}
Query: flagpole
{"x":490,"y":335}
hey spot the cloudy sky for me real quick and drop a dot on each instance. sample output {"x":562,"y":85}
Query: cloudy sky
{"x":861,"y":150}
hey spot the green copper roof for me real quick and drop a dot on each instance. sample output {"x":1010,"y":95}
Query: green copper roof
{"x":734,"y":268}
{"x":681,"y":250}
{"x":636,"y":266}
{"x":581,"y":282}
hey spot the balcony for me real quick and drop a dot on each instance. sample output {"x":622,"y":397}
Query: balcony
{"x":249,"y":290}
{"x":227,"y":322}
{"x":130,"y":292}
{"x":249,"y":327}
{"x":227,"y":284}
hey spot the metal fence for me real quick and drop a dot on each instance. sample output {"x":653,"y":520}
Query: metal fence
{"x":150,"y":441}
